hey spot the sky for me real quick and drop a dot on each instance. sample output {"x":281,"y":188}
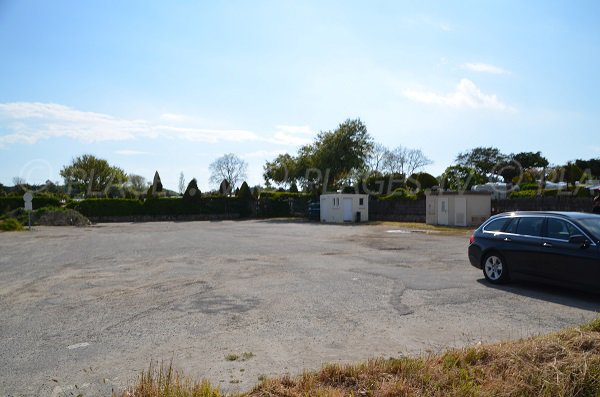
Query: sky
{"x":173,"y":85}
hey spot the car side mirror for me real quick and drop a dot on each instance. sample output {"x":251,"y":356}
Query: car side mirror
{"x":580,"y":240}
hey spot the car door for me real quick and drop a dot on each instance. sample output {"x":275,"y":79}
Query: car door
{"x":564,"y":261}
{"x":522,"y":242}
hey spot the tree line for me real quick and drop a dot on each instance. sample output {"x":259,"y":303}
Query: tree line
{"x":346,"y":158}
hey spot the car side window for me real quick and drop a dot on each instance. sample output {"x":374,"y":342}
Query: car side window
{"x":530,"y":226}
{"x":512,"y":226}
{"x":559,"y":229}
{"x":496,"y":225}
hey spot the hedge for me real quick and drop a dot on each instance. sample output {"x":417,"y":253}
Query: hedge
{"x":280,"y":204}
{"x":8,"y":204}
{"x":581,"y":192}
{"x":95,"y":208}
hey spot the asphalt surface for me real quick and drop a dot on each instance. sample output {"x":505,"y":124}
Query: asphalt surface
{"x":85,"y":310}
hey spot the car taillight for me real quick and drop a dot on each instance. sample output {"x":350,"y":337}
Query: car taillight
{"x":471,"y":239}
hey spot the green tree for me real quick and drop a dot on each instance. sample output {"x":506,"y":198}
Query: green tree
{"x":329,"y":162}
{"x":225,"y":187}
{"x":282,"y":170}
{"x":531,"y":160}
{"x":572,"y":173}
{"x":192,"y":194}
{"x":90,"y":174}
{"x":339,"y":152}
{"x":422,"y":181}
{"x":486,"y":161}
{"x":461,"y":178}
{"x":591,"y":166}
{"x":244,"y":192}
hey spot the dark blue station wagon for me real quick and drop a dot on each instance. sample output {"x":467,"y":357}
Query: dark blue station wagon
{"x":560,"y":248}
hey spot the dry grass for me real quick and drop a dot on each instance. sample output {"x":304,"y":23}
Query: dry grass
{"x":452,"y":230}
{"x":565,"y":363}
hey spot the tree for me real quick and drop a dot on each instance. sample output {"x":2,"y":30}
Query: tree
{"x":404,"y":161}
{"x":529,"y":160}
{"x":330,"y":161}
{"x":19,"y":181}
{"x":572,"y":173}
{"x":486,"y":161}
{"x":461,"y":178}
{"x":244,"y":192}
{"x":591,"y":166}
{"x":90,"y":174}
{"x":225,"y":187}
{"x":337,"y":153}
{"x":228,"y":167}
{"x":422,"y":181}
{"x":376,"y":158}
{"x":282,"y":170}
{"x":192,"y":194}
{"x":181,"y":183}
{"x":137,"y":183}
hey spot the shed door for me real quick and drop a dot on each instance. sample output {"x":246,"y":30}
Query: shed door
{"x":442,"y":213}
{"x":347,"y":206}
{"x":460,"y":211}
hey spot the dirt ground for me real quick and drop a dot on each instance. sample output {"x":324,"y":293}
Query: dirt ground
{"x":85,"y":310}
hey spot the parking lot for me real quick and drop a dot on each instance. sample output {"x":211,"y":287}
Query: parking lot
{"x":85,"y":310}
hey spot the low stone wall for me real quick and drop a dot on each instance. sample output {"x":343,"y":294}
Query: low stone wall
{"x":397,"y":210}
{"x":165,"y":218}
{"x":558,"y":203}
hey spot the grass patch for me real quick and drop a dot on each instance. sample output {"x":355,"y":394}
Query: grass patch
{"x":565,"y":363}
{"x":10,"y":225}
{"x":245,"y":356}
{"x":453,"y":230}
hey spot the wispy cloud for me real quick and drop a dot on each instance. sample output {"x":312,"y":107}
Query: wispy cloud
{"x":467,"y":95}
{"x":295,"y":135}
{"x":129,"y":152}
{"x":31,"y":122}
{"x":260,"y":154}
{"x":485,"y":68}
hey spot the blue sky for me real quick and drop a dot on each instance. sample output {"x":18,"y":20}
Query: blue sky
{"x":171,"y":86}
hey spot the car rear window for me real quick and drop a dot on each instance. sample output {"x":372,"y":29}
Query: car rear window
{"x":496,"y":225}
{"x":530,"y":226}
{"x":592,"y":225}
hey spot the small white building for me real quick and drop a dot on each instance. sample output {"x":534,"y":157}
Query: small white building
{"x":458,"y":209}
{"x":342,"y":207}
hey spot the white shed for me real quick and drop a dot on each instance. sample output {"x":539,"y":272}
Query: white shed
{"x":458,"y":209}
{"x":342,"y":207}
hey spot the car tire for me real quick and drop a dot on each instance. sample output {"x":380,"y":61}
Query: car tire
{"x":495,"y":269}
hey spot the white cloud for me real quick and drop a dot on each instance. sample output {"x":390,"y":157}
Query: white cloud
{"x":129,"y":152}
{"x":485,"y":68}
{"x":261,"y":154}
{"x":467,"y":95}
{"x":173,"y":117}
{"x":295,"y":135}
{"x":31,"y":122}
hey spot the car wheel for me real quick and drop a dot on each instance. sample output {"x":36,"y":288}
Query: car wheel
{"x":495,"y":269}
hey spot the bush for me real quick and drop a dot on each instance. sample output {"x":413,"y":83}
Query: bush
{"x":8,"y":204}
{"x":529,"y":186}
{"x":107,"y":207}
{"x":399,"y":194}
{"x":10,"y":224}
{"x":422,"y":181}
{"x":192,"y":193}
{"x":157,"y":206}
{"x":59,"y":217}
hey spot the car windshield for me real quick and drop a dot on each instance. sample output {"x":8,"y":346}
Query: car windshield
{"x":592,"y":225}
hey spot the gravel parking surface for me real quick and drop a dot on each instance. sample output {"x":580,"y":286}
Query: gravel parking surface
{"x":84,"y":310}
